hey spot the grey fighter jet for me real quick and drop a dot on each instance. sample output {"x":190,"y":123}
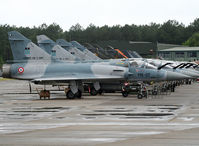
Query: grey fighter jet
{"x":56,"y":51}
{"x":75,"y":73}
{"x":85,"y":50}
{"x":173,"y":66}
{"x":73,"y":50}
{"x":24,"y":49}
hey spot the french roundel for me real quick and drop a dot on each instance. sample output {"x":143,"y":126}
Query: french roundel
{"x":20,"y":69}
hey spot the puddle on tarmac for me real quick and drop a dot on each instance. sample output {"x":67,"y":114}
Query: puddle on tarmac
{"x":113,"y":110}
{"x":90,"y":117}
{"x":171,"y":108}
{"x":140,"y":117}
{"x":142,"y":114}
{"x":60,"y":117}
{"x":40,"y":109}
{"x":93,"y":114}
{"x":29,"y":113}
{"x":166,"y":105}
{"x":135,"y":112}
{"x":34,"y":111}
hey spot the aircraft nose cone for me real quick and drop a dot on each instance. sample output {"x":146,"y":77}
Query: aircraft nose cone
{"x":176,"y":76}
{"x":192,"y":74}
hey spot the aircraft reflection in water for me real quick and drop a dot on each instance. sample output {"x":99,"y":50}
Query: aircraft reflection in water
{"x":73,"y":65}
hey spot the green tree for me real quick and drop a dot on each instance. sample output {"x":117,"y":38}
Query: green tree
{"x":75,"y":32}
{"x":171,"y":32}
{"x":1,"y":62}
{"x":149,"y":32}
{"x":193,"y":40}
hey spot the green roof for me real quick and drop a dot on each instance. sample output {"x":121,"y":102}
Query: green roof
{"x":180,"y":49}
{"x":162,"y":46}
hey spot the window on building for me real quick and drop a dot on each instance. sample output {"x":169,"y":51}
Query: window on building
{"x":180,"y":54}
{"x":192,"y":54}
{"x":165,"y":54}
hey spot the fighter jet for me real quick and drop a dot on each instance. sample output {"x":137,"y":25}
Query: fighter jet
{"x":96,"y":50}
{"x":75,"y":73}
{"x":56,"y":51}
{"x":85,"y":50}
{"x":24,"y":49}
{"x":173,"y":66}
{"x":73,"y":50}
{"x":180,"y":67}
{"x":101,"y":52}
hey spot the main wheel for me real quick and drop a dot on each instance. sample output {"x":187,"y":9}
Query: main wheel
{"x":139,"y":96}
{"x":100,"y":92}
{"x":155,"y":92}
{"x":125,"y":93}
{"x":93,"y":92}
{"x":145,"y":94}
{"x":70,"y":95}
{"x":78,"y":94}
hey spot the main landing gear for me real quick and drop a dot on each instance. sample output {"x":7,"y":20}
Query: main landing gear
{"x":93,"y":91}
{"x":75,"y":90}
{"x":71,"y":95}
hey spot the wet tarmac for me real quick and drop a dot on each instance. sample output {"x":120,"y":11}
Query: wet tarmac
{"x":108,"y":119}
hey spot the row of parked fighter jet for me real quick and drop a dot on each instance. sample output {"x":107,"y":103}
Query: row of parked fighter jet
{"x":71,"y":64}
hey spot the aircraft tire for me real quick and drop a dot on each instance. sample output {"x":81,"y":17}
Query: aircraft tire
{"x":100,"y":92}
{"x":78,"y":94}
{"x":125,"y":93}
{"x":155,"y":93}
{"x":70,"y":95}
{"x":93,"y":92}
{"x":139,"y":96}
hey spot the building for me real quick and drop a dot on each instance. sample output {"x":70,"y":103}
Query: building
{"x":162,"y":46}
{"x":180,"y":53}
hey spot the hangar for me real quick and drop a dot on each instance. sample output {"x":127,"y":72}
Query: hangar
{"x":180,"y":53}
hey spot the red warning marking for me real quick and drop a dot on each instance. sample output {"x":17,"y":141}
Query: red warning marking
{"x":20,"y":69}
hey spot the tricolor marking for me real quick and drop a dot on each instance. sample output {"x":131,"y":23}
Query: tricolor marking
{"x":20,"y":69}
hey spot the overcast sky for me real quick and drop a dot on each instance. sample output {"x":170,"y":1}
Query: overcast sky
{"x":99,"y":12}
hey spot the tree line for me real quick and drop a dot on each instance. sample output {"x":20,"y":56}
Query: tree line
{"x":171,"y":32}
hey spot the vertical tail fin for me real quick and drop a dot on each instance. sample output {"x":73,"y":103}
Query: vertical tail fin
{"x":73,"y":50}
{"x":45,"y":43}
{"x":85,"y":50}
{"x":24,"y":49}
{"x":63,"y":43}
{"x":55,"y":50}
{"x":18,"y":45}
